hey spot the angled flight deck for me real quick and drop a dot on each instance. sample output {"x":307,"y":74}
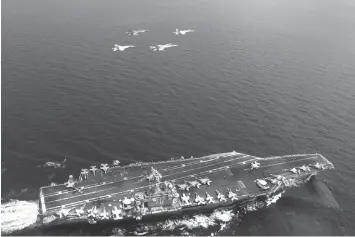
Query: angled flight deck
{"x":140,"y":190}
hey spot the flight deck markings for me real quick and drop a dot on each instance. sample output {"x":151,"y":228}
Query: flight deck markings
{"x":138,"y":188}
{"x":185,"y":177}
{"x":97,"y":191}
{"x":125,"y":178}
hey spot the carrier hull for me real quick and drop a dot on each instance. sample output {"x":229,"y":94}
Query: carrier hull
{"x":140,"y":191}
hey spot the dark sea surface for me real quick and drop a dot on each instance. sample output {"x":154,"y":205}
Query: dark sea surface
{"x":260,"y":77}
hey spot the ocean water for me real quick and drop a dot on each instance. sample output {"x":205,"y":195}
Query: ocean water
{"x":260,"y":77}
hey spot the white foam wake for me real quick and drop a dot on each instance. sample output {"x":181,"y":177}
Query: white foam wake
{"x":218,"y":217}
{"x":274,"y":199}
{"x":16,"y":215}
{"x":221,"y":218}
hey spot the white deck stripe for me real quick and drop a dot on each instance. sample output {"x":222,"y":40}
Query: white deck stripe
{"x":97,"y":191}
{"x":95,"y":185}
{"x":286,"y":156}
{"x":288,"y":162}
{"x":112,"y":194}
{"x":166,"y":169}
{"x":188,"y":158}
{"x":208,"y":165}
{"x":221,"y":168}
{"x":116,"y":168}
{"x":168,"y":161}
{"x":80,"y":202}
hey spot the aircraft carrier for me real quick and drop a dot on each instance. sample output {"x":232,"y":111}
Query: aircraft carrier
{"x":141,"y":190}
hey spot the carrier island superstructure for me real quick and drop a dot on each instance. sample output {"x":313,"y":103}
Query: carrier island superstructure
{"x":138,"y":191}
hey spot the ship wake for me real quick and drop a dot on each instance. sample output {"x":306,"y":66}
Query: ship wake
{"x":212,"y":223}
{"x":273,"y":199}
{"x":256,"y":205}
{"x":200,"y":221}
{"x":17,"y":215}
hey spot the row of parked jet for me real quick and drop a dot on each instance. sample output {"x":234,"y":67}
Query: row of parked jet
{"x":155,"y":47}
{"x":185,"y":198}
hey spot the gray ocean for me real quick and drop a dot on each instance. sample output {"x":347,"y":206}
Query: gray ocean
{"x":260,"y":77}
